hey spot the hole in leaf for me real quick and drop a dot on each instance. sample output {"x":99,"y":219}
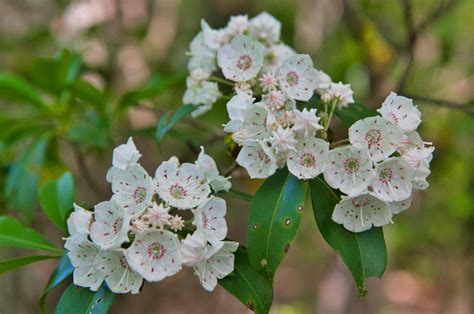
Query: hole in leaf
{"x":300,"y":208}
{"x":255,"y":227}
{"x":250,"y":305}
{"x":263,"y":262}
{"x":287,"y":221}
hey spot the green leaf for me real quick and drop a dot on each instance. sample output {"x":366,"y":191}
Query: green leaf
{"x":77,"y":300}
{"x":353,"y":112}
{"x":14,"y":234}
{"x":53,"y":74}
{"x":248,"y":285}
{"x":14,"y":88}
{"x":10,"y":264}
{"x":166,"y":122}
{"x":153,"y":88}
{"x":22,"y":178}
{"x":364,"y":253}
{"x":91,"y":129}
{"x":63,"y":270}
{"x":88,"y":93}
{"x":275,"y":215}
{"x":56,"y":198}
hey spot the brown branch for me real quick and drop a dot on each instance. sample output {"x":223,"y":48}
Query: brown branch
{"x":444,"y":103}
{"x":81,"y":163}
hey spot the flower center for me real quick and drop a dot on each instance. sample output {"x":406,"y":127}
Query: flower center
{"x":292,"y":78}
{"x":139,"y":194}
{"x":351,"y":165}
{"x":360,"y":202}
{"x":156,"y":251}
{"x":177,"y":191}
{"x":385,"y":176}
{"x":373,"y":137}
{"x":244,"y":62}
{"x":307,"y":160}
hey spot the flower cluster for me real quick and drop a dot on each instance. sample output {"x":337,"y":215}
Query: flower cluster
{"x":268,"y":79}
{"x":384,"y":163}
{"x":249,"y":56}
{"x":140,"y":232}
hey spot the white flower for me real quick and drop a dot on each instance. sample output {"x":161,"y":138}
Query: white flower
{"x":342,"y":92}
{"x":183,"y":186}
{"x":218,"y":266}
{"x":297,"y":77}
{"x":265,"y":28}
{"x":419,"y":159}
{"x":275,"y":100}
{"x":176,"y":223}
{"x":376,"y":135}
{"x":125,"y":155}
{"x":82,"y":255}
{"x":241,"y":59}
{"x":306,"y":122}
{"x":157,"y":215}
{"x":283,"y":140}
{"x":237,"y":24}
{"x":254,"y":126}
{"x":268,"y":81}
{"x":110,"y":228}
{"x":211,"y":173}
{"x":398,"y":207}
{"x":359,"y":213}
{"x":323,"y":81}
{"x":309,"y":158}
{"x":209,"y":219}
{"x":275,"y":55}
{"x":202,"y":56}
{"x":392,"y":181}
{"x":411,"y":140}
{"x":257,"y":159}
{"x":243,"y":87}
{"x":79,"y":221}
{"x":210,"y":261}
{"x":202,"y":93}
{"x":211,"y":36}
{"x":200,"y":110}
{"x":236,"y":108}
{"x":400,"y":111}
{"x":349,"y":169}
{"x":133,"y":188}
{"x":119,"y":276}
{"x":155,"y":254}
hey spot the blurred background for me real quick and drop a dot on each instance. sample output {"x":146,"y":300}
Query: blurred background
{"x":424,"y":49}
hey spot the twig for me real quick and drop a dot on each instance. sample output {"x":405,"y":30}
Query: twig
{"x":444,"y":103}
{"x":237,"y":194}
{"x":85,"y":171}
{"x":339,"y":143}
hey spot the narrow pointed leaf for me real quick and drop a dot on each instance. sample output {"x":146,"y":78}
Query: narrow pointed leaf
{"x":88,"y":93}
{"x":78,"y":300}
{"x":275,"y":214}
{"x":13,"y":88}
{"x":63,"y":270}
{"x":248,"y":285}
{"x":167,"y":122}
{"x":56,"y":198}
{"x":14,"y":234}
{"x":10,"y":264}
{"x":363,"y":253}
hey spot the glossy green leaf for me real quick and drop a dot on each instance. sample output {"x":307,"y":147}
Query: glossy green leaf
{"x":168,"y":121}
{"x":77,"y":300}
{"x":248,"y":285}
{"x":56,"y":198}
{"x":15,"y":89}
{"x":275,"y":214}
{"x":22,"y":178}
{"x":14,"y":234}
{"x":364,"y":253}
{"x":10,"y":264}
{"x":88,"y":93}
{"x":63,"y":270}
{"x":353,"y":112}
{"x":154,"y":87}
